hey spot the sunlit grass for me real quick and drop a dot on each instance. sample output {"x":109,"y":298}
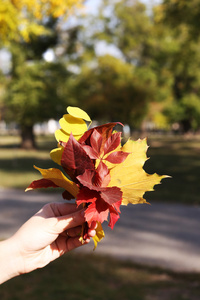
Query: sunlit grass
{"x":180,"y":158}
{"x":16,"y":165}
{"x":170,"y":155}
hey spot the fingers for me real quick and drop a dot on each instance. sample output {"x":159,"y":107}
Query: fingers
{"x":59,"y":224}
{"x":76,"y":231}
{"x":62,"y":209}
{"x":58,"y":209}
{"x":65,"y":244}
{"x":73,"y":243}
{"x":73,"y":232}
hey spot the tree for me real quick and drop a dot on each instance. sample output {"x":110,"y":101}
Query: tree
{"x":141,"y":67}
{"x":20,"y":19}
{"x":35,"y":94}
{"x":178,"y":12}
{"x":167,"y":45}
{"x":147,"y":46}
{"x":182,"y":20}
{"x":113,"y":90}
{"x":35,"y":89}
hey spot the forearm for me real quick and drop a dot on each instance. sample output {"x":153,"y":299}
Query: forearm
{"x":9,"y":260}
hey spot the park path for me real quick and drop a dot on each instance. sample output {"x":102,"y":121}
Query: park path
{"x":161,"y":234}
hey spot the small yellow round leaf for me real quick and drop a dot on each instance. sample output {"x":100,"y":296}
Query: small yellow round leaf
{"x":61,"y":135}
{"x":72,"y":125}
{"x":78,"y":113}
{"x":56,"y":155}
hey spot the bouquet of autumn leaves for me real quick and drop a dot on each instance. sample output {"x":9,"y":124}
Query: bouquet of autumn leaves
{"x":101,"y":174}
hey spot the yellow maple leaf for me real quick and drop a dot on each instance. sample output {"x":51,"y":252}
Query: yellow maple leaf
{"x":130,"y":176}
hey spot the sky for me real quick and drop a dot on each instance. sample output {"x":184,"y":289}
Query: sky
{"x":102,"y":47}
{"x":93,"y":4}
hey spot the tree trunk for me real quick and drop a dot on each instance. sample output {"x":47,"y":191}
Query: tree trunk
{"x":27,"y":138}
{"x":186,"y":125}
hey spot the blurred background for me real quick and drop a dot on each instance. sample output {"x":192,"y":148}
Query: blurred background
{"x":136,"y":62}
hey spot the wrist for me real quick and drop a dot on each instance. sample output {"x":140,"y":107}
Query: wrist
{"x":9,"y":260}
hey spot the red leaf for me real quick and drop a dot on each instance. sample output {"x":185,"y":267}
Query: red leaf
{"x":90,"y":152}
{"x":96,"y":141}
{"x":74,"y":159}
{"x":102,"y":175}
{"x":117,"y":157}
{"x":108,"y":194}
{"x":41,"y":183}
{"x":97,"y":211}
{"x":117,"y":205}
{"x":95,"y":179}
{"x":111,"y":195}
{"x":105,"y":131}
{"x":114,"y":216}
{"x":86,"y":196}
{"x":106,"y":180}
{"x":86,"y":179}
{"x":112,"y":142}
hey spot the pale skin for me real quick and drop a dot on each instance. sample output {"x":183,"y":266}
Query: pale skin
{"x":50,"y":233}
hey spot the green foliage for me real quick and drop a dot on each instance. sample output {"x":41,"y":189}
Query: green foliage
{"x":160,"y":62}
{"x":186,"y":112}
{"x":132,"y":33}
{"x":182,"y":20}
{"x":34,"y":94}
{"x":36,"y":89}
{"x":178,"y":12}
{"x":113,"y":90}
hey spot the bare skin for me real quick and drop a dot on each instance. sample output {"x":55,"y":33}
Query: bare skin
{"x":50,"y":233}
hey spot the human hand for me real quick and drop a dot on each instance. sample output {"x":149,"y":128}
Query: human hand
{"x":51,"y":232}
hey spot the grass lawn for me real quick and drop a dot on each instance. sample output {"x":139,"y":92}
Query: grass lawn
{"x":92,"y":277}
{"x":180,"y":158}
{"x":84,"y":277}
{"x":170,"y":155}
{"x":16,"y":165}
